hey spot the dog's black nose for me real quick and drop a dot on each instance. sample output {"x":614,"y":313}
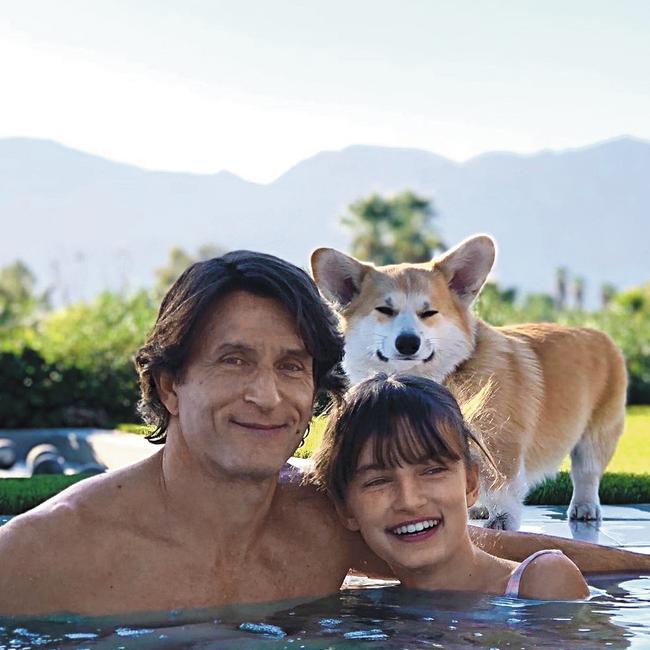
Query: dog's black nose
{"x":407,"y":344}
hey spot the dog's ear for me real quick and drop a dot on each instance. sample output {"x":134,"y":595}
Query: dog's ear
{"x":337,"y":275}
{"x":467,"y":265}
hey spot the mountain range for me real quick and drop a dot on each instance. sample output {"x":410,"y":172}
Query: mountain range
{"x":83,"y":223}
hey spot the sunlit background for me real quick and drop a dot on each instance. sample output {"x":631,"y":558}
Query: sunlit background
{"x":254,"y":87}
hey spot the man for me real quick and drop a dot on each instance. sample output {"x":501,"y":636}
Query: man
{"x":241,"y":348}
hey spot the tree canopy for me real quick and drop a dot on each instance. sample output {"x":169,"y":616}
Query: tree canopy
{"x":390,"y":230}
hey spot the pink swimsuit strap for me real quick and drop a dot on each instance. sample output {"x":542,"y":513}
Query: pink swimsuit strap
{"x":512,"y":590}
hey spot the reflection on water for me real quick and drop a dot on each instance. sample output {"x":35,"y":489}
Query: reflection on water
{"x":616,"y":616}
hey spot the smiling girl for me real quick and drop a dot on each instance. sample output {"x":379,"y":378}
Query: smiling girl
{"x":397,"y":461}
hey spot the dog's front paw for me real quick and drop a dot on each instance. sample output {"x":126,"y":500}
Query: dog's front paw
{"x":501,"y":521}
{"x":584,"y":511}
{"x":478,"y":512}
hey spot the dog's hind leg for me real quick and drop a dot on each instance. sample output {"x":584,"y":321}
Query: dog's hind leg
{"x":589,"y":458}
{"x":594,"y":450}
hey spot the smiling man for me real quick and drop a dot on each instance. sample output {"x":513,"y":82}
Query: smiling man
{"x":242,"y":347}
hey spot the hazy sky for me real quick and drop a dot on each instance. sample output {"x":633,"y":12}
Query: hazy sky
{"x":255,"y":86}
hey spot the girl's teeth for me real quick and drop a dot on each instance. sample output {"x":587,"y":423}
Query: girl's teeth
{"x":417,"y":527}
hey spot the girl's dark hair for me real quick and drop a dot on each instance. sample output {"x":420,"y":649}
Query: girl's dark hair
{"x":198,"y":289}
{"x":407,"y":419}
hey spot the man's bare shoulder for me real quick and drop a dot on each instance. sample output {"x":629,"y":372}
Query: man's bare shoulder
{"x":94,"y":501}
{"x":64,"y":538}
{"x":315,"y":518}
{"x":310,"y":511}
{"x":304,"y":501}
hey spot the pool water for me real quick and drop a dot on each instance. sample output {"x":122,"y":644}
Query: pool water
{"x":616,"y":616}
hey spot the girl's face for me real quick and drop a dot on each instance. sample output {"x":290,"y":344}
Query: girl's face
{"x":414,"y":517}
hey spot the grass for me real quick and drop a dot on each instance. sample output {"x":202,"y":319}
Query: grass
{"x":633,"y":450}
{"x":140,"y":429}
{"x":21,"y":494}
{"x":312,"y":442}
{"x":615,"y":488}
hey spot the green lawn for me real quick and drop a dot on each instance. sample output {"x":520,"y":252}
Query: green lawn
{"x":632,"y":454}
{"x":633,"y":450}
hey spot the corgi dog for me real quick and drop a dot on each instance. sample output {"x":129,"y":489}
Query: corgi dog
{"x":553,"y":390}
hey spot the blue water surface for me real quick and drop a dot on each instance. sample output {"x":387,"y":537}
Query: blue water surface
{"x":616,"y":616}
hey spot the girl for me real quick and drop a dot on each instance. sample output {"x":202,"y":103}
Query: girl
{"x":396,"y":460}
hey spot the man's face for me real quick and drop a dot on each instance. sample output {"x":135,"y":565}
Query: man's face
{"x":246,"y":394}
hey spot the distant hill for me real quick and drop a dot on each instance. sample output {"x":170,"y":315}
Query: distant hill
{"x":87,"y":223}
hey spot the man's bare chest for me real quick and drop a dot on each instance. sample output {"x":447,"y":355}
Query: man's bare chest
{"x":160,"y":578}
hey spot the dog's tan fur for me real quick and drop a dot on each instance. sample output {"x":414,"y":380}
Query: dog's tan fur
{"x":553,"y":389}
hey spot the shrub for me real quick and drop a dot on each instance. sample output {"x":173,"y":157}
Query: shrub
{"x":17,"y":495}
{"x":38,"y":393}
{"x":75,"y":367}
{"x":614,"y":489}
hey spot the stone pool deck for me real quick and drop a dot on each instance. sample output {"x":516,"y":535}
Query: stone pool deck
{"x":624,"y":526}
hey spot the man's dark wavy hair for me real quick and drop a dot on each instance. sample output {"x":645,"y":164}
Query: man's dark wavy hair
{"x":196,"y":291}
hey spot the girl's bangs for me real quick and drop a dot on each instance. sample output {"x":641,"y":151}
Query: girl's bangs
{"x":405,"y":440}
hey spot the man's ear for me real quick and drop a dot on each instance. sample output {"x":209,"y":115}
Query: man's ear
{"x":346,"y":516}
{"x":472,"y":483}
{"x":337,"y":275}
{"x":166,"y":386}
{"x":467,"y":265}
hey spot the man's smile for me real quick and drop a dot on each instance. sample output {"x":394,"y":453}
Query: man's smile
{"x":264,"y":427}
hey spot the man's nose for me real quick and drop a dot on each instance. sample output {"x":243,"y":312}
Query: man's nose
{"x":262,"y":389}
{"x":409,"y":495}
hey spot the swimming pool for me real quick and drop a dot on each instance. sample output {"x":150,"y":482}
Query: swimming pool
{"x":616,"y":616}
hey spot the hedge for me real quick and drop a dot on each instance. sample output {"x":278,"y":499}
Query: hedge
{"x":36,"y":393}
{"x":20,"y":494}
{"x":616,"y":488}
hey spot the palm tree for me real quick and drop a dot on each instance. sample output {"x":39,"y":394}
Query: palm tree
{"x":579,"y":292}
{"x":561,"y":276}
{"x":607,"y":293}
{"x":392,"y":230}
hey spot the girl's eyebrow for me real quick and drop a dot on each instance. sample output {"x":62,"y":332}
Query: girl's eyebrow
{"x":370,"y":467}
{"x":376,"y":467}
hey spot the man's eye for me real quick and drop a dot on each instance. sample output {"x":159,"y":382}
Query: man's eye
{"x":428,"y":313}
{"x":233,"y":361}
{"x":386,"y":311}
{"x":292,"y":366}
